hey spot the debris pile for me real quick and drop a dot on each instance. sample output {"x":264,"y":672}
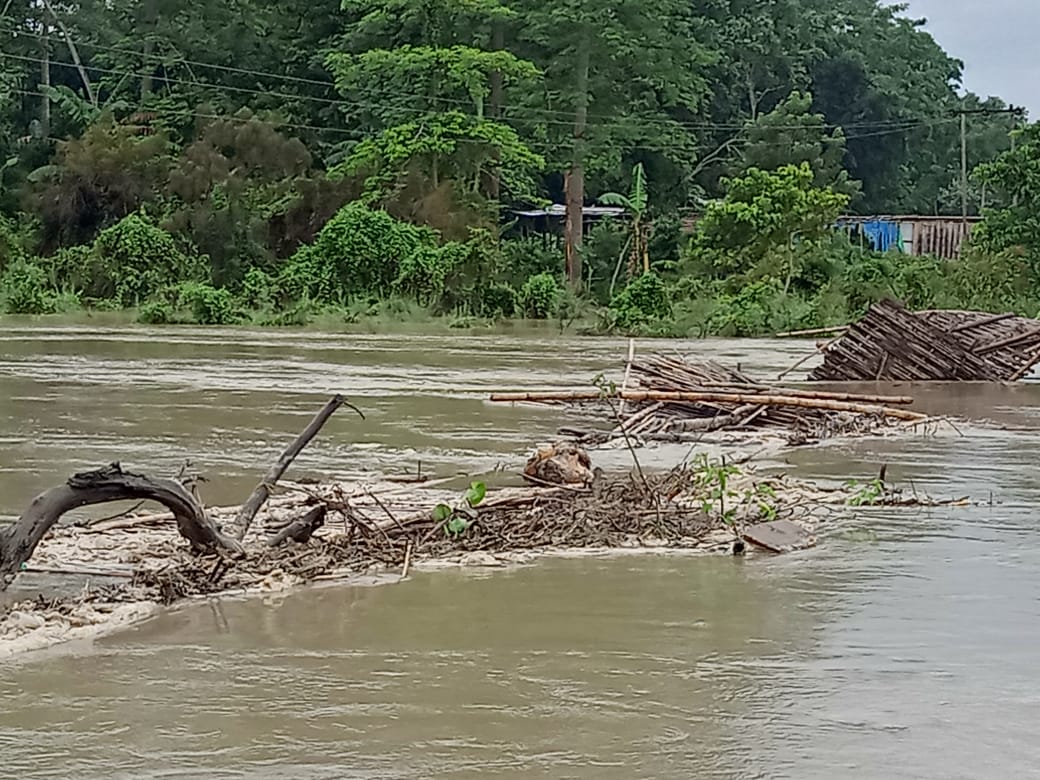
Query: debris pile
{"x":135,"y":562}
{"x":892,"y":343}
{"x":680,"y":400}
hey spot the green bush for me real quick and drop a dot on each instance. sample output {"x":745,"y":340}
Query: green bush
{"x":208,"y":305}
{"x":359,"y":252}
{"x":258,"y":290}
{"x":539,"y":296}
{"x":644,"y":300}
{"x":423,"y":273}
{"x":498,"y":300}
{"x":756,"y":310}
{"x":25,"y":290}
{"x":155,"y":313}
{"x":134,"y":260}
{"x":527,"y":257}
{"x":70,"y":268}
{"x":600,"y":253}
{"x":11,"y":244}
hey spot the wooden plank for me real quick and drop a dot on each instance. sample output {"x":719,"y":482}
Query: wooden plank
{"x":779,"y":536}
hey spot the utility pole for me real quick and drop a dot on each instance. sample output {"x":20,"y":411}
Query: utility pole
{"x":1014,"y":111}
{"x":964,"y":170}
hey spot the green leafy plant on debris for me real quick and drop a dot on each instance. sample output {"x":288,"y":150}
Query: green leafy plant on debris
{"x":458,"y":517}
{"x":869,"y":494}
{"x":713,"y":480}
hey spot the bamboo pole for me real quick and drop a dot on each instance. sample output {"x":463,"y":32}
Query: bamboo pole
{"x":734,"y":398}
{"x":754,"y":391}
{"x":628,"y":372}
{"x":820,"y":350}
{"x":811,"y":332}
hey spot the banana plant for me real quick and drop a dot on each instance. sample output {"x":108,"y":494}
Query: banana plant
{"x":635,"y":205}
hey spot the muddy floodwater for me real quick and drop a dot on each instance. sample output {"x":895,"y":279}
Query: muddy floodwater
{"x":905,"y":646}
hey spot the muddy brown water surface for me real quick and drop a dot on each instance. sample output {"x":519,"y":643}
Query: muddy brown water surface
{"x":904,"y":646}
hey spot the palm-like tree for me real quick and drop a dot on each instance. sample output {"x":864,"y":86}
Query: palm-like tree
{"x":635,"y":205}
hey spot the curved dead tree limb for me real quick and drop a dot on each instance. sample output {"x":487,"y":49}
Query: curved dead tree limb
{"x":262,"y":491}
{"x":18,"y":541}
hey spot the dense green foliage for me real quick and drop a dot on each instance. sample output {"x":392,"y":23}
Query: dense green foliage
{"x":270,"y":163}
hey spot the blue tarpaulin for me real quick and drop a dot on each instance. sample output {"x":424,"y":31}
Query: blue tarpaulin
{"x":882,"y":234}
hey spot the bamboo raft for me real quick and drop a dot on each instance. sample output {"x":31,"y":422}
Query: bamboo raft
{"x":891,"y":343}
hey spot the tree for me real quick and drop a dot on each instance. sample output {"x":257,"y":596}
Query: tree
{"x":791,"y":135}
{"x":425,"y":140}
{"x":97,"y":180}
{"x":635,"y":205}
{"x":885,"y":80}
{"x":622,"y":79}
{"x":228,"y":184}
{"x":1013,"y":223}
{"x":765,"y":211}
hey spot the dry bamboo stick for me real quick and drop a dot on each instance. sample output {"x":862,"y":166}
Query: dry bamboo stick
{"x":639,"y":416}
{"x":628,"y":373}
{"x":992,"y":320}
{"x":734,"y":398}
{"x":820,"y":349}
{"x":822,"y":395}
{"x":811,"y":332}
{"x":1031,"y":360}
{"x":1007,"y":342}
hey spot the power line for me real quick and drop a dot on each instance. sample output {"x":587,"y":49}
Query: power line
{"x":357,"y":135}
{"x":657,"y":120}
{"x":173,"y":112}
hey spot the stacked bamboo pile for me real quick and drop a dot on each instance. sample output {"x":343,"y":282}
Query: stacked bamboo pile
{"x":740,"y":403}
{"x":679,"y":400}
{"x":894,"y":344}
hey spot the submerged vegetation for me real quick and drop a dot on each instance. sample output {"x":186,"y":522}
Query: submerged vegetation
{"x":363,"y":160}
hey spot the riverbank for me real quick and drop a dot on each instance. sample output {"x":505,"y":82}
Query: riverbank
{"x":416,"y":322}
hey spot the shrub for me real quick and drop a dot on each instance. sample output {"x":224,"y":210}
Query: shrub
{"x":498,"y":300}
{"x":70,"y":268}
{"x":642,"y":301}
{"x":359,"y":252}
{"x":25,"y":289}
{"x":155,"y":313}
{"x":751,"y":311}
{"x":208,"y":305}
{"x":539,"y":296}
{"x":423,"y":273}
{"x":11,"y":247}
{"x":134,"y":260}
{"x":257,"y":289}
{"x":527,"y":257}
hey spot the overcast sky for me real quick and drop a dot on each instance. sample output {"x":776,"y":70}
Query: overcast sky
{"x":995,"y":40}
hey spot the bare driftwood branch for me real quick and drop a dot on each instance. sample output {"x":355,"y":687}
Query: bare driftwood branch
{"x":19,"y":540}
{"x":301,"y":529}
{"x":262,"y":491}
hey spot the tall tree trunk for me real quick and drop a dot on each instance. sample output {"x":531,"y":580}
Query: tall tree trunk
{"x":45,"y":83}
{"x":498,"y":42}
{"x":575,"y":178}
{"x":91,"y":96}
{"x":147,"y":32}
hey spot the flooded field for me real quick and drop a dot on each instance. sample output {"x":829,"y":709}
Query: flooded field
{"x":901,"y":647}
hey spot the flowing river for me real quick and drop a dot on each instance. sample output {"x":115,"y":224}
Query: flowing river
{"x":902,"y":647}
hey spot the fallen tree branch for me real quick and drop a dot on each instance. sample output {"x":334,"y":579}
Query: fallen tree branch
{"x":262,"y":491}
{"x":19,"y":540}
